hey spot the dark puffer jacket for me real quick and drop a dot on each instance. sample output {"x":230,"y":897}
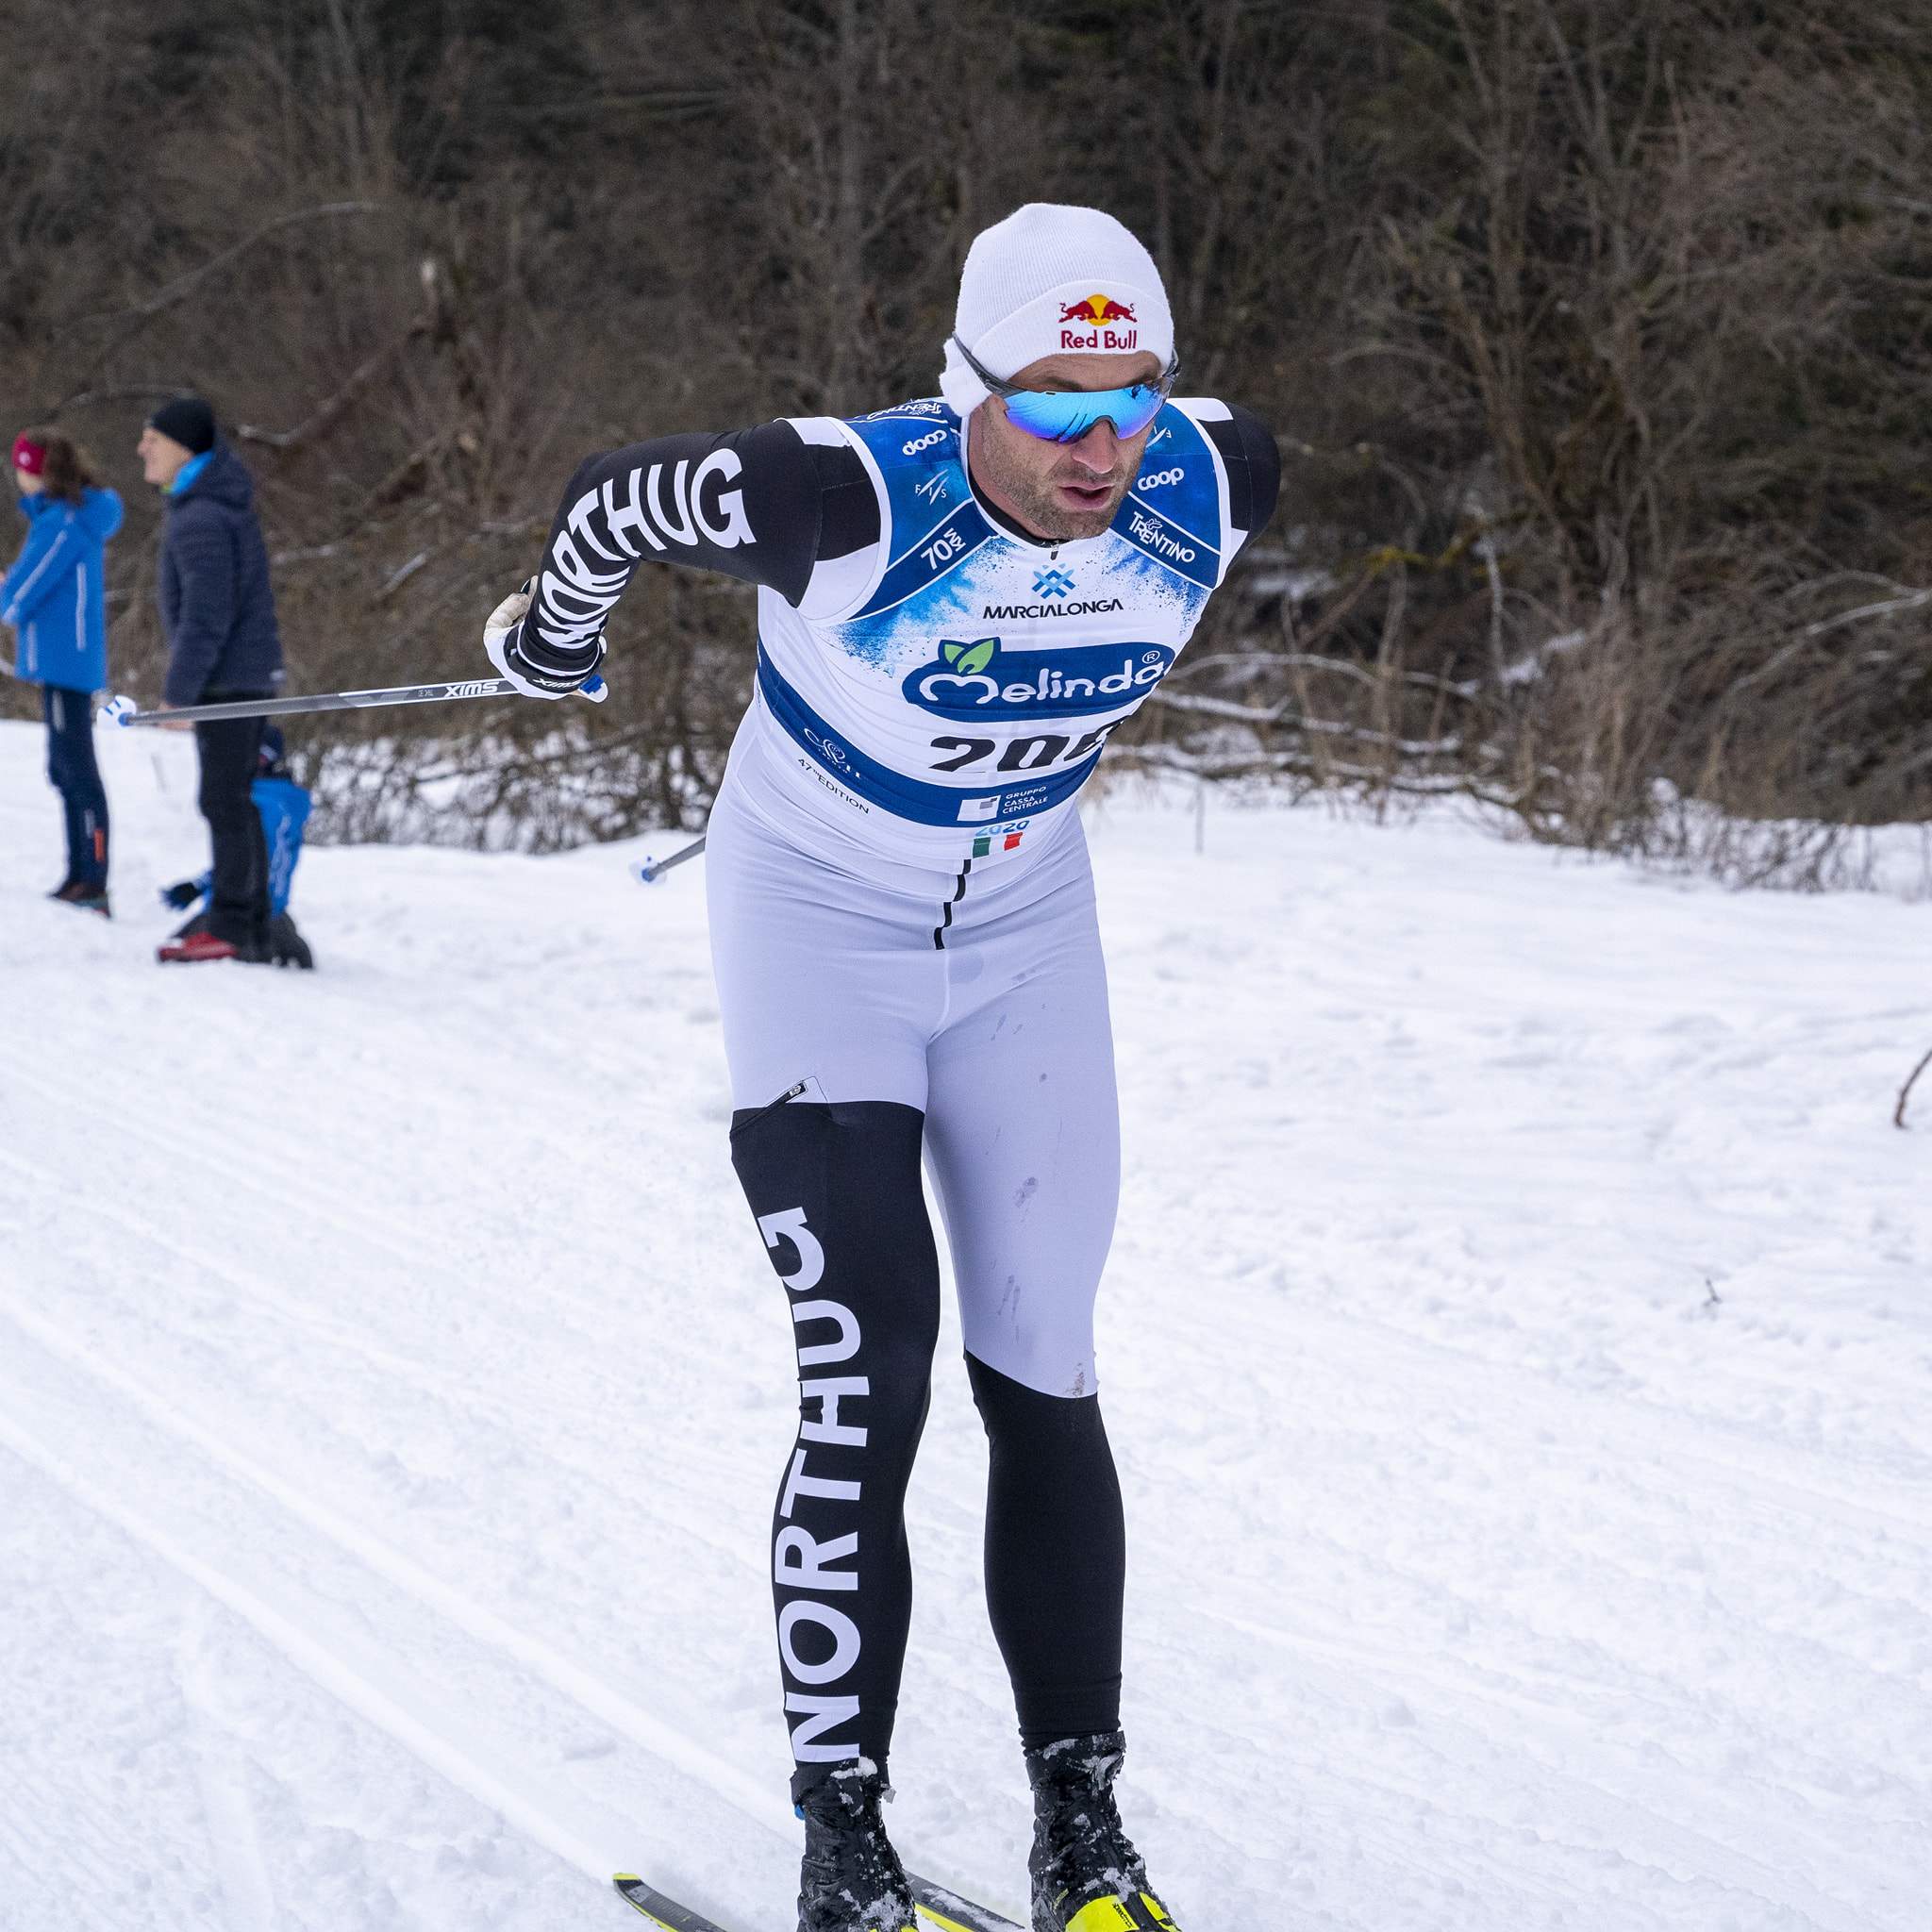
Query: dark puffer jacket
{"x":216,"y":604}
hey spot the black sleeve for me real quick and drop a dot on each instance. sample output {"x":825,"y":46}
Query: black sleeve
{"x":762,"y":505}
{"x":1253,"y":468}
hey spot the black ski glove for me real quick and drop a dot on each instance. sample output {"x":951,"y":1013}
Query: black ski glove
{"x":537,"y":668}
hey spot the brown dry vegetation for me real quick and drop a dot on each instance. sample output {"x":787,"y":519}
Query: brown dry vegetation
{"x":1598,"y":335}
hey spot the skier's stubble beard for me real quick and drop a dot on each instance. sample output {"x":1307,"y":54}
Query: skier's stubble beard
{"x":1042,"y":485}
{"x":1039,"y":501}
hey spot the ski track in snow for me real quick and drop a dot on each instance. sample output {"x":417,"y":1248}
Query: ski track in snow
{"x":1517,"y":1349}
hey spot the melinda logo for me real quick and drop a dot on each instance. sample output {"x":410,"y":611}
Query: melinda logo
{"x":982,"y":680}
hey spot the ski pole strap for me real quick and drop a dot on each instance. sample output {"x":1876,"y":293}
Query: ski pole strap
{"x":125,"y":711}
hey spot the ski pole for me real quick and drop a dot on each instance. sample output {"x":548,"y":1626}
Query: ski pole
{"x":652,"y":870}
{"x":125,"y":711}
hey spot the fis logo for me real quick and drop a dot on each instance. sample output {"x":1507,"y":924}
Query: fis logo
{"x":1052,"y":583}
{"x":981,"y":679}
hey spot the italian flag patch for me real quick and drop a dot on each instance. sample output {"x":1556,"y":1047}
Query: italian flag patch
{"x":982,"y":842}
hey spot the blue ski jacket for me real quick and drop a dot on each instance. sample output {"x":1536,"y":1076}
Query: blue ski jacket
{"x":53,"y":593}
{"x":216,"y":603}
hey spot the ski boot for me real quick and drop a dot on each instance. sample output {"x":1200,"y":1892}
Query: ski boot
{"x":851,"y":1880}
{"x":1086,"y":1876}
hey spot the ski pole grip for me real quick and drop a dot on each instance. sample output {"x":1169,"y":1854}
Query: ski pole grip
{"x":595,"y":688}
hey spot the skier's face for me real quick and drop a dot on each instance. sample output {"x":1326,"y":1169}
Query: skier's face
{"x":1060,"y":490}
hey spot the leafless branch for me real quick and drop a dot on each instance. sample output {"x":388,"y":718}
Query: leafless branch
{"x":133,"y":320}
{"x":1905,"y":1093}
{"x":1913,"y":600}
{"x":331,"y":411}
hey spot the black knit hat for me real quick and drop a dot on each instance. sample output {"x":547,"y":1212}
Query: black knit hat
{"x":185,"y":420}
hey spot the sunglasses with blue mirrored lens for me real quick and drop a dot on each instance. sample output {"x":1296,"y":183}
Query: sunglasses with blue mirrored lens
{"x":1065,"y":415}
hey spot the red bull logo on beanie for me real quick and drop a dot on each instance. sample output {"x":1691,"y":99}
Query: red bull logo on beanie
{"x":1098,"y":321}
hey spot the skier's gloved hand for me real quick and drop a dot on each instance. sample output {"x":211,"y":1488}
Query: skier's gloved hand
{"x":181,"y":894}
{"x":537,"y":668}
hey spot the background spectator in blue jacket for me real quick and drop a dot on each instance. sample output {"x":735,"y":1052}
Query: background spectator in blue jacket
{"x":53,"y":597}
{"x":220,"y":616}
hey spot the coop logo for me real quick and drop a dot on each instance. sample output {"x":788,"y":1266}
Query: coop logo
{"x":1052,"y":583}
{"x":980,"y":679}
{"x":1098,"y":321}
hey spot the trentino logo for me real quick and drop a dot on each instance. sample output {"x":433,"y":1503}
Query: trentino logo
{"x":1052,"y":583}
{"x":980,"y":679}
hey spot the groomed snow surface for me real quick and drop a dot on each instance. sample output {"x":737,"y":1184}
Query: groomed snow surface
{"x":1518,"y":1348}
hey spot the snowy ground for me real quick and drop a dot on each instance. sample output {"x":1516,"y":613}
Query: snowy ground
{"x":1519,"y":1349}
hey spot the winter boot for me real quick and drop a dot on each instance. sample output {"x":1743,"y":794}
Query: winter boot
{"x":1086,"y":1876}
{"x":286,"y":946}
{"x":85,"y":897}
{"x":204,"y":948}
{"x":852,"y":1880}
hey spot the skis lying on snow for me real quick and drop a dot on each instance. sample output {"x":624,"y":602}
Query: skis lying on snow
{"x":951,"y":1913}
{"x":657,"y":1908}
{"x":938,"y":1907}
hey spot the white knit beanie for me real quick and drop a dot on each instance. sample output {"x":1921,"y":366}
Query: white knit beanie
{"x":1053,"y":280}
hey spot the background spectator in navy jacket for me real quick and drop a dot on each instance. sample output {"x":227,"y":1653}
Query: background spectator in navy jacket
{"x":52,"y":596}
{"x":220,"y":616}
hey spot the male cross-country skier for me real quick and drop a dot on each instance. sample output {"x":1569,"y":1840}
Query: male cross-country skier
{"x":959,"y":601}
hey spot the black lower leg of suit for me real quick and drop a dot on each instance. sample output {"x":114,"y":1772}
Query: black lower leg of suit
{"x":836,"y":1193}
{"x":1055,"y":1555}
